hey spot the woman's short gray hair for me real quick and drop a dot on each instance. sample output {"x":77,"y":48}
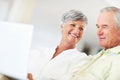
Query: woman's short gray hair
{"x":74,"y":15}
{"x":116,"y":11}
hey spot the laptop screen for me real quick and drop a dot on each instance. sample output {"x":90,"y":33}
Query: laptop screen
{"x":15,"y":44}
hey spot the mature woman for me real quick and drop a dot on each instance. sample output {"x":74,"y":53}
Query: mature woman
{"x":53,"y":63}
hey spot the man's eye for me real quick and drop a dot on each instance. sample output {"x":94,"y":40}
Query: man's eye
{"x":98,"y":27}
{"x":104,"y":27}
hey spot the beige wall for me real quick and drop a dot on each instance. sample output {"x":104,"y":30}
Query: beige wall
{"x":21,"y":11}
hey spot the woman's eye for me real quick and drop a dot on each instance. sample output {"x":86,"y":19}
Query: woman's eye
{"x":72,"y":25}
{"x":81,"y":29}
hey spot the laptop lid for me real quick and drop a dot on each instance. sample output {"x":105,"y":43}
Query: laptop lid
{"x":15,"y":44}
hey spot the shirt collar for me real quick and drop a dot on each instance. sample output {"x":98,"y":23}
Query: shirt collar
{"x":113,"y":50}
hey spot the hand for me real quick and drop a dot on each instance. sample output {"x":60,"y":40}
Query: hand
{"x":29,"y":76}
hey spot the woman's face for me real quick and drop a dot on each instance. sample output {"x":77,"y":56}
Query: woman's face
{"x":72,"y":31}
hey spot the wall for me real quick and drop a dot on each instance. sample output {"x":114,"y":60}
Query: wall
{"x":45,"y":15}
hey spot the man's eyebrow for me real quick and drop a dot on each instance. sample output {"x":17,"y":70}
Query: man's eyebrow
{"x":102,"y":25}
{"x":96,"y":24}
{"x":105,"y":25}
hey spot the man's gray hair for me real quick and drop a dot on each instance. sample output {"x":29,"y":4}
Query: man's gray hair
{"x":74,"y":15}
{"x":116,"y":11}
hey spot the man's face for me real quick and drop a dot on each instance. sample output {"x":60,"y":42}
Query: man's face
{"x":72,"y":31}
{"x":108,"y":34}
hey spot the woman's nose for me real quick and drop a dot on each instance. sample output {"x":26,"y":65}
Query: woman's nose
{"x":77,"y":30}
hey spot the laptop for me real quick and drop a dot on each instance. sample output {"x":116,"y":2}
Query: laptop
{"x":15,"y":44}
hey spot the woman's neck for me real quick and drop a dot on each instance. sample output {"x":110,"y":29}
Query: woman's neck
{"x":60,"y":48}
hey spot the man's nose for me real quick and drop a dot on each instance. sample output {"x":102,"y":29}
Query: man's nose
{"x":99,"y":31}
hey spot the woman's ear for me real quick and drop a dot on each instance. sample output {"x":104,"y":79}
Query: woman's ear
{"x":61,"y":27}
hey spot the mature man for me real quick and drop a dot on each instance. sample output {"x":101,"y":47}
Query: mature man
{"x":106,"y":64}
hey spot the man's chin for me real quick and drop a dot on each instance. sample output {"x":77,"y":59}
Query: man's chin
{"x":102,"y":45}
